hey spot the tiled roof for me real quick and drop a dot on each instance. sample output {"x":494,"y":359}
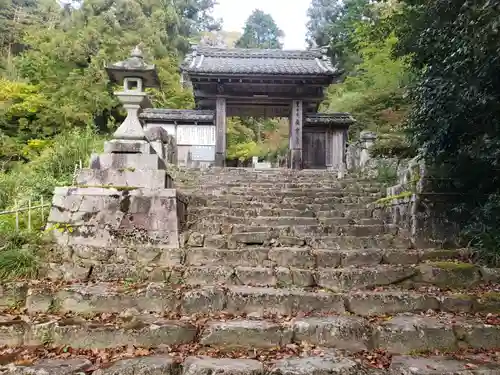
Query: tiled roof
{"x":339,"y":118}
{"x":213,"y":60}
{"x":178,"y":115}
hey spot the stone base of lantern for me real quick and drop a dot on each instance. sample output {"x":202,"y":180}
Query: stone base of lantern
{"x":125,"y":199}
{"x":116,"y":218}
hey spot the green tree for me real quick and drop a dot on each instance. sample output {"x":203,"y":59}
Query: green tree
{"x":261,"y":31}
{"x":454,"y":49}
{"x":331,"y":23}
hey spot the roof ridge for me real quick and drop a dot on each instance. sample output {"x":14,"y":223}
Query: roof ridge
{"x":259,"y":53}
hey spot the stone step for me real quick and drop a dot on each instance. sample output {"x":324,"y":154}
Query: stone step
{"x":306,"y":361}
{"x":279,"y":226}
{"x":305,"y":258}
{"x":163,"y":298}
{"x":201,"y":212}
{"x":278,"y":220}
{"x":298,"y":187}
{"x":290,"y":193}
{"x":400,"y":334}
{"x":216,"y":200}
{"x":274,"y":239}
{"x":335,"y":279}
{"x":255,"y":205}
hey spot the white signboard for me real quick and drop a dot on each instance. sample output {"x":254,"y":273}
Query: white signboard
{"x":196,"y":135}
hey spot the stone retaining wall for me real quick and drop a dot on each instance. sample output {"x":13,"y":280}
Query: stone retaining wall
{"x":422,"y":215}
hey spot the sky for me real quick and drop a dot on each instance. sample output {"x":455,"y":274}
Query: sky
{"x":290,"y":18}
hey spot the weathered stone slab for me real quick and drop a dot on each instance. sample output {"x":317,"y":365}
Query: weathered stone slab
{"x":295,"y":277}
{"x":208,"y":275}
{"x":326,"y":365}
{"x":124,"y":146}
{"x":12,"y":295}
{"x":449,"y":274}
{"x":161,"y":332}
{"x":255,"y":276}
{"x":12,"y":333}
{"x":255,"y":238}
{"x":245,"y":334}
{"x":327,"y":258}
{"x":221,"y":366}
{"x":290,"y":257}
{"x":406,"y":334}
{"x":112,"y":217}
{"x":124,"y":161}
{"x":478,"y":336}
{"x":203,"y":301}
{"x":154,"y":365}
{"x":352,"y":278}
{"x":73,"y":366}
{"x":341,"y":332}
{"x":361,"y":258}
{"x":261,"y":301}
{"x":241,"y":257}
{"x":390,"y":303}
{"x":407,"y":365}
{"x":141,"y":178}
{"x":103,"y":298}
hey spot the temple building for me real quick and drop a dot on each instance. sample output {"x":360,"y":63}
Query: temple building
{"x":259,"y":83}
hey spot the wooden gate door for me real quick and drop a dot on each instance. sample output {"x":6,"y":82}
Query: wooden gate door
{"x":313,"y":152}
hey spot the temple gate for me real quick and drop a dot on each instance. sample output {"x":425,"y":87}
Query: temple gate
{"x":261,"y":83}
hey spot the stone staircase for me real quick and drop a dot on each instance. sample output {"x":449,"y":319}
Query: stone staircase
{"x":281,"y":272}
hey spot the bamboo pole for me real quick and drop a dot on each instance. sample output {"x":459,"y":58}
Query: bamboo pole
{"x":29,"y":215}
{"x":17,"y":215}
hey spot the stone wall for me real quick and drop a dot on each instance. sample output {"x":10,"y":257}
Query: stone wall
{"x":421,"y":215}
{"x":116,"y":217}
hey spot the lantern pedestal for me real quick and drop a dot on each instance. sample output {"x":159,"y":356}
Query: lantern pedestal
{"x":125,"y":199}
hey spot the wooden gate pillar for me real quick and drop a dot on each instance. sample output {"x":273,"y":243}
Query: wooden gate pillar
{"x":220,"y":132}
{"x":295,"y":136}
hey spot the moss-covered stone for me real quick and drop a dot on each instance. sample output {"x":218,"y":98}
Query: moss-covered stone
{"x":453,"y":265}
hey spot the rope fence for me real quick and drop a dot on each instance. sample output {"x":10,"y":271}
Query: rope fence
{"x":33,"y":208}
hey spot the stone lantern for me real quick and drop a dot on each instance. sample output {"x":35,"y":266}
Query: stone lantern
{"x":135,"y":75}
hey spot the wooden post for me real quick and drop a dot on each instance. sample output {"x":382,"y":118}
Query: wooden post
{"x":329,"y":148}
{"x":29,"y":215}
{"x":296,"y":124}
{"x":16,"y":207}
{"x":220,"y":132}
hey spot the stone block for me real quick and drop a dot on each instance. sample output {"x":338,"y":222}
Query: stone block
{"x":54,"y":367}
{"x":299,"y":258}
{"x":389,"y":303}
{"x":245,"y":334}
{"x":256,"y":276}
{"x":479,"y":336}
{"x":221,"y":366}
{"x":449,"y":274}
{"x":263,"y":301}
{"x":406,"y":334}
{"x":13,"y":295}
{"x":349,"y":333}
{"x":12,"y":333}
{"x":127,"y":161}
{"x":208,"y":275}
{"x":141,"y":178}
{"x":352,"y":278}
{"x":121,"y":217}
{"x":412,"y":365}
{"x":154,"y":365}
{"x":203,"y":301}
{"x":123,"y":146}
{"x":101,"y":336}
{"x":327,"y":364}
